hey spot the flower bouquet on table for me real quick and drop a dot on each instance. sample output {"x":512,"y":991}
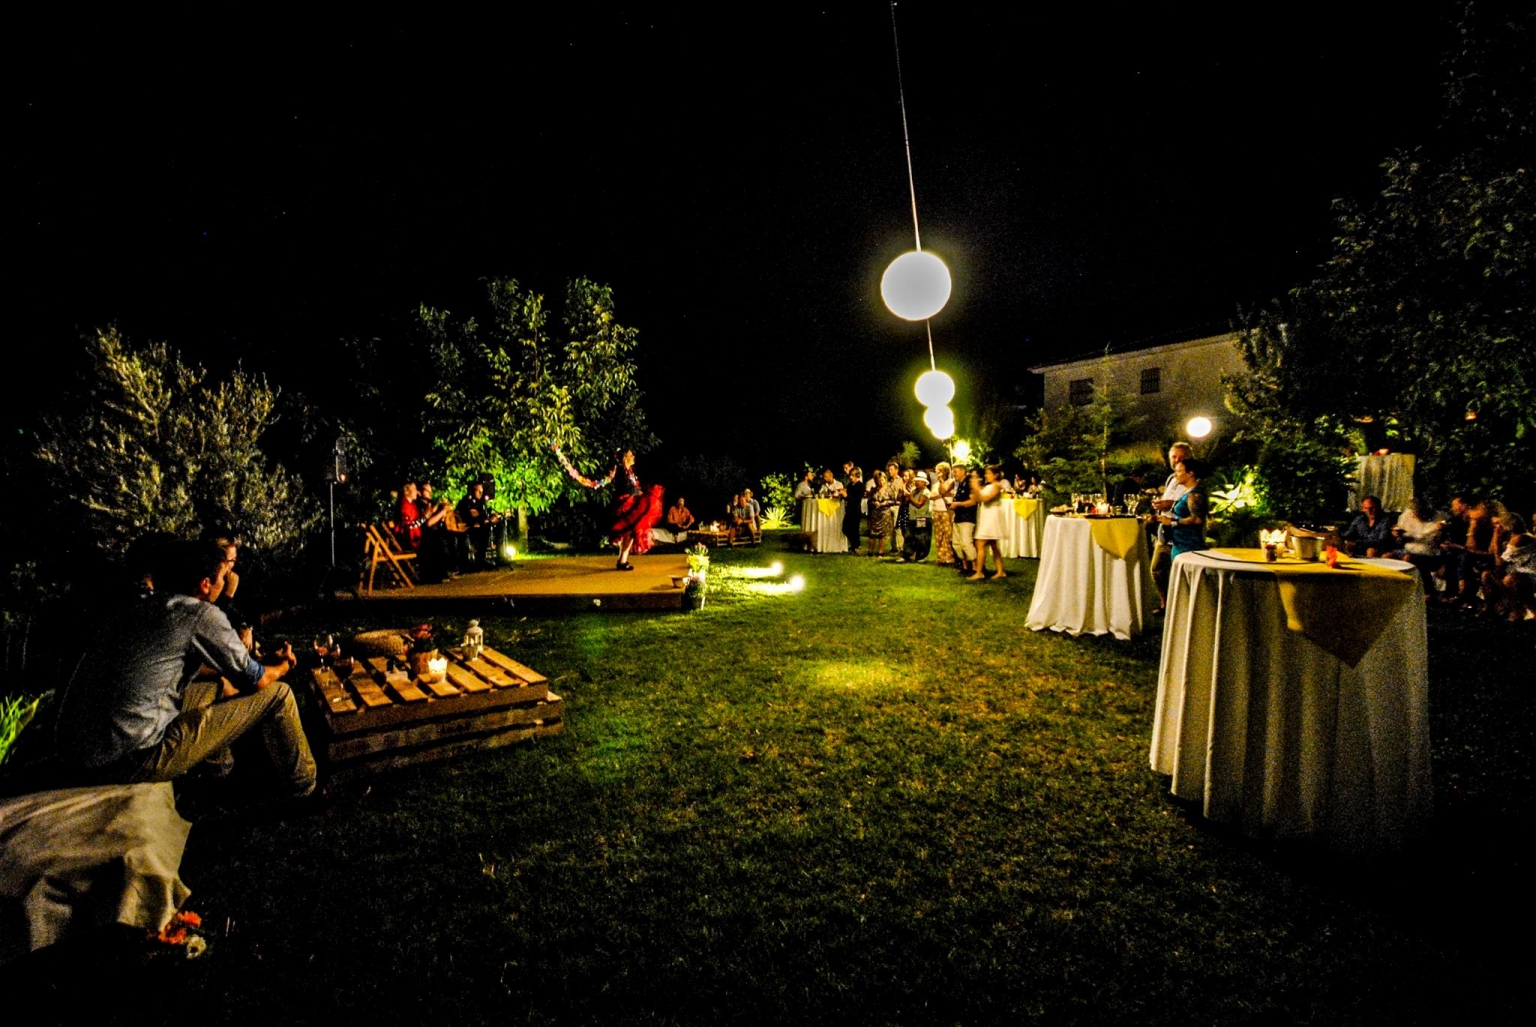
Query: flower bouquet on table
{"x":423,"y":651}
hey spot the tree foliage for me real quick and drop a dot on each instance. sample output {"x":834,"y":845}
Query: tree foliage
{"x":503,"y":391}
{"x":147,"y":442}
{"x":1418,"y":331}
{"x":1070,"y":448}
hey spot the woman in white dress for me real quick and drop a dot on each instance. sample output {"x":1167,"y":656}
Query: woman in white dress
{"x":989,"y":523}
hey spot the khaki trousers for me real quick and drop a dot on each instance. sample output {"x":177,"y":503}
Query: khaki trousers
{"x":208,"y":726}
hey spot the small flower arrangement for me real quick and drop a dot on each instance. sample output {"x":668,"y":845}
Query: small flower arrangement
{"x":422,"y":652}
{"x":698,"y":561}
{"x":184,"y":933}
{"x":421,"y":639}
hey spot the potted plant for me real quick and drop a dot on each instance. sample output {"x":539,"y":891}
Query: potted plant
{"x":423,"y":650}
{"x":698,"y":573}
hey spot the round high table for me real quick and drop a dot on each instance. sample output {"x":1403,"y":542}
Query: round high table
{"x":1095,"y":577}
{"x":822,"y":520}
{"x":1292,"y":699}
{"x":1024,"y":522}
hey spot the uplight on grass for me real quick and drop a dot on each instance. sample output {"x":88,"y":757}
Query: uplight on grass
{"x":773,"y":570}
{"x":510,"y":552}
{"x":779,"y":588}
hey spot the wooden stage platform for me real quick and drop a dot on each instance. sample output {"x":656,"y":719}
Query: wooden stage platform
{"x":555,"y":583}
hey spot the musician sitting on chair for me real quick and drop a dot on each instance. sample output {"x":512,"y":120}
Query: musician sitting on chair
{"x":478,"y":520}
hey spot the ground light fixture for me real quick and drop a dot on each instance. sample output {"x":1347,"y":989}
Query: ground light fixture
{"x":1198,"y":427}
{"x":773,"y":570}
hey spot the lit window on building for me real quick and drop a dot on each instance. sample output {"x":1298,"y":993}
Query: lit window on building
{"x":1080,"y":393}
{"x":1151,"y":380}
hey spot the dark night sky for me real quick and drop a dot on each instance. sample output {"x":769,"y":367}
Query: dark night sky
{"x":738,"y":178}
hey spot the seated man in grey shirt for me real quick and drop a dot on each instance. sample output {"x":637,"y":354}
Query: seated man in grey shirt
{"x":137,"y":710}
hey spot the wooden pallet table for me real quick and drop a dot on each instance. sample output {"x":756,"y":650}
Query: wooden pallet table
{"x":378,"y":716}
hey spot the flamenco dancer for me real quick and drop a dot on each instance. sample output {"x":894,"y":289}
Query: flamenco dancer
{"x":637,"y":510}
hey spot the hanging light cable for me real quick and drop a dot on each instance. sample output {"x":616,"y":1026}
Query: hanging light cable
{"x":916,"y":285}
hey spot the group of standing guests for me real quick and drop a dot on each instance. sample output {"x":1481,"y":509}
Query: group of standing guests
{"x":958,"y":514}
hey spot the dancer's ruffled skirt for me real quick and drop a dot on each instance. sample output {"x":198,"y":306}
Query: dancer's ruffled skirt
{"x":636,"y":515}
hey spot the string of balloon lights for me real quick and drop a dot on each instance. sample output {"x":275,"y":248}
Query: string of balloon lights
{"x":916,"y":286}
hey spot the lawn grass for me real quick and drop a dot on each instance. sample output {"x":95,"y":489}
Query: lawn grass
{"x":876,"y":801}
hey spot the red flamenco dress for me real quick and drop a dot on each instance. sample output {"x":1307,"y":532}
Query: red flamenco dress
{"x":637,"y":512}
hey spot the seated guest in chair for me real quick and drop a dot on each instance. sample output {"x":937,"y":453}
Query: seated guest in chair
{"x":1416,"y":538}
{"x":679,"y":519}
{"x":1370,"y":533}
{"x":756,"y":509}
{"x":1469,"y":547}
{"x":1509,"y":585}
{"x":740,"y":518}
{"x":137,"y":708}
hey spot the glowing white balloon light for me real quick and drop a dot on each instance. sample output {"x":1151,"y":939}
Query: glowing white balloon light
{"x":934,"y":388}
{"x":940,"y":420}
{"x":961,"y":450}
{"x":1198,"y":427}
{"x":915,"y":286}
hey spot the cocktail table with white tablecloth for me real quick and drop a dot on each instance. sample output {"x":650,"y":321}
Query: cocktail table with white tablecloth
{"x":1292,"y":698}
{"x":822,"y":520}
{"x":1024,"y":524}
{"x":1095,"y":577}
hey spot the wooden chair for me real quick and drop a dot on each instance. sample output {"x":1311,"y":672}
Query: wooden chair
{"x":380,"y":547}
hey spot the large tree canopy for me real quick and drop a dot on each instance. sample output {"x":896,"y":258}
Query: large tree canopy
{"x":1418,"y":331}
{"x":146,"y":442}
{"x":505,"y":391}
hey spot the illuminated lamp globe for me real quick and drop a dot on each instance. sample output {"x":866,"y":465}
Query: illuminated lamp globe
{"x":961,"y":450}
{"x":934,"y":388}
{"x":940,"y":421}
{"x":1198,"y":427}
{"x":915,"y":286}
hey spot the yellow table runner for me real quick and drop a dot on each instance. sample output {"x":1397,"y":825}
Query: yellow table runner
{"x":1342,"y":610}
{"x":1116,"y":536}
{"x":1025,"y":507}
{"x":828,"y":507}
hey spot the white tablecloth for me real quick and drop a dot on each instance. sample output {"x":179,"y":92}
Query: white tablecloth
{"x":1274,"y":734}
{"x":1023,"y":535}
{"x":1084,"y":588}
{"x":826,"y":530}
